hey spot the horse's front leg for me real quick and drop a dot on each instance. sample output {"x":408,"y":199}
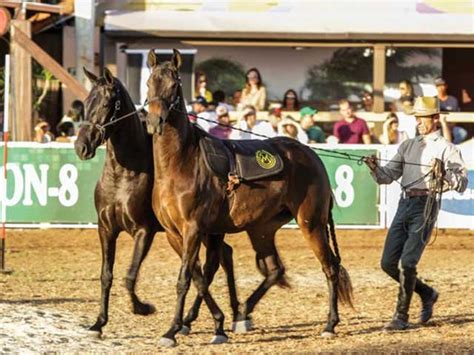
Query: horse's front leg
{"x":191,"y":244}
{"x":108,"y":241}
{"x":143,"y":240}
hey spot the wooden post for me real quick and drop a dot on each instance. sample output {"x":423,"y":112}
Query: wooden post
{"x":84,"y":12}
{"x":21,"y":118}
{"x":50,"y":64}
{"x":379,"y":77}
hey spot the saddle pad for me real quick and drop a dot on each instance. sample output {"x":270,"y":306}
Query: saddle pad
{"x":253,"y":159}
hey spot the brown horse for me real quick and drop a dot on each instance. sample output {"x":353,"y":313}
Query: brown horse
{"x":123,"y":192}
{"x":191,"y":201}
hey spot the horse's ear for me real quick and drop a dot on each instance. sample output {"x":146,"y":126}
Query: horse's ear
{"x":109,"y":78}
{"x":92,"y":77}
{"x":176,"y":60}
{"x":152,"y":58}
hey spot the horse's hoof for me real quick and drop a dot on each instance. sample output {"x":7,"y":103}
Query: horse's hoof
{"x":95,"y":334}
{"x":144,"y":309}
{"x":219,"y":339}
{"x":242,"y":326}
{"x":328,"y":335}
{"x":185,"y":330}
{"x":167,"y":343}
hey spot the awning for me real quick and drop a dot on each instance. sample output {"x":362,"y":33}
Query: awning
{"x":407,"y":20}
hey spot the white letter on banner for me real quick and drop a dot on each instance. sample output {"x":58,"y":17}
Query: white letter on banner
{"x":40,"y":185}
{"x":17,"y":183}
{"x":67,"y":177}
{"x":344,"y":177}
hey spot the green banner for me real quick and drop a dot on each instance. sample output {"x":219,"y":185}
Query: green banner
{"x":357,"y":195}
{"x":49,"y":184}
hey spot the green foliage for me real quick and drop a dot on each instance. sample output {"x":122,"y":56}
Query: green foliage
{"x":349,"y":72}
{"x":223,"y":74}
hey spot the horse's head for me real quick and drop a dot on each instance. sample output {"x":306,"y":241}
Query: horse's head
{"x":102,"y":107}
{"x":164,"y":86}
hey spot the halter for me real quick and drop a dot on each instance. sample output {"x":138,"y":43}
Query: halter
{"x":113,"y":120}
{"x":172,"y":106}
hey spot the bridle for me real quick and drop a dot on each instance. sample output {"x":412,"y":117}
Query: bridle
{"x":170,"y":106}
{"x":113,"y":119}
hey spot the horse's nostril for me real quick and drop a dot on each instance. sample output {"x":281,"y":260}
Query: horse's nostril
{"x":81,"y":150}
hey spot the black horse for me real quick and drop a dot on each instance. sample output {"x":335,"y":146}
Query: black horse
{"x":123,"y":192}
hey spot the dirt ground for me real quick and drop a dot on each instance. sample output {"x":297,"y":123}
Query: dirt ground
{"x":53,"y":295}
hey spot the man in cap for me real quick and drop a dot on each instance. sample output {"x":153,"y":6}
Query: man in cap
{"x":222,"y":130}
{"x":200,"y":113}
{"x":417,"y":210}
{"x":315,"y":134}
{"x":446,"y":102}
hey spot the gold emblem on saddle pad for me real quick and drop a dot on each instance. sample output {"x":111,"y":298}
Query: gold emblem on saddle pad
{"x":265,"y":159}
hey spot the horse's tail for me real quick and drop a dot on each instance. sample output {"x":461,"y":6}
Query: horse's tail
{"x":344,"y":286}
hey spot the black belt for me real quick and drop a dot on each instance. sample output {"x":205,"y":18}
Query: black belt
{"x":417,"y":192}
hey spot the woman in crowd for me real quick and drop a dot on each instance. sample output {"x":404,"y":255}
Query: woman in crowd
{"x":200,"y":88}
{"x":407,"y":97}
{"x":254,"y":93}
{"x":390,"y":132}
{"x":290,"y":101}
{"x":289,"y":128}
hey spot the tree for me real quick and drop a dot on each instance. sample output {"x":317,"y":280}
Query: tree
{"x":223,"y":74}
{"x":349,"y":71}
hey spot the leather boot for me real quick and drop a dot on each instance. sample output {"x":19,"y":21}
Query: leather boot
{"x":427,"y":303}
{"x":407,"y":286}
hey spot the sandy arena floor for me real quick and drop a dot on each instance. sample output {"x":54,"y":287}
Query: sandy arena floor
{"x":53,"y":295}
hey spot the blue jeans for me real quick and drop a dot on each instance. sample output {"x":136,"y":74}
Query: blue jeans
{"x":407,"y":238}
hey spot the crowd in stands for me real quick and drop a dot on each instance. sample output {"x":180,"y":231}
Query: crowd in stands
{"x":211,"y":111}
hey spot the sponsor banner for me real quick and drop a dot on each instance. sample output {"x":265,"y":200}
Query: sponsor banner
{"x":48,"y":184}
{"x":356,"y":193}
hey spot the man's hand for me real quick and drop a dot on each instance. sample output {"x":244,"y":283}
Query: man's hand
{"x":371,"y":162}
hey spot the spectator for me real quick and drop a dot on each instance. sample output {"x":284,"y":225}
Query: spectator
{"x":65,"y":132}
{"x":274,"y":117}
{"x":407,"y":97}
{"x":466,"y":100}
{"x":219,"y":98}
{"x":236,"y":96}
{"x":451,"y":132}
{"x":43,"y":132}
{"x":290,"y":101}
{"x":447,"y":103}
{"x":249,"y":123}
{"x":254,"y":93}
{"x":367,"y":101}
{"x":199,"y":108}
{"x":289,"y":128}
{"x":315,"y":134}
{"x":390,"y":131}
{"x":223,"y":118}
{"x":75,"y":115}
{"x":200,"y":88}
{"x":350,"y":129}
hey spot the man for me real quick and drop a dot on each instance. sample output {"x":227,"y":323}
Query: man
{"x":315,"y":134}
{"x":414,"y":220}
{"x":200,"y":109}
{"x":219,"y":131}
{"x":250,"y":125}
{"x":350,"y":129}
{"x":446,"y":102}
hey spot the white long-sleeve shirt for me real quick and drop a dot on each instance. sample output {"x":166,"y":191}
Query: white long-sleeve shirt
{"x":422,"y":150}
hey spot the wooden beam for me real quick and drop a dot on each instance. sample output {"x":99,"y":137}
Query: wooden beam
{"x":379,"y":77}
{"x":34,"y":6}
{"x":22,"y":118}
{"x":50,"y":64}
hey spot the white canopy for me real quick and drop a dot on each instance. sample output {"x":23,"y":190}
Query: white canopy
{"x":431,"y":20}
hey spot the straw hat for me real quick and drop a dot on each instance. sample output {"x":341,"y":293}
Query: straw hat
{"x":426,"y":106}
